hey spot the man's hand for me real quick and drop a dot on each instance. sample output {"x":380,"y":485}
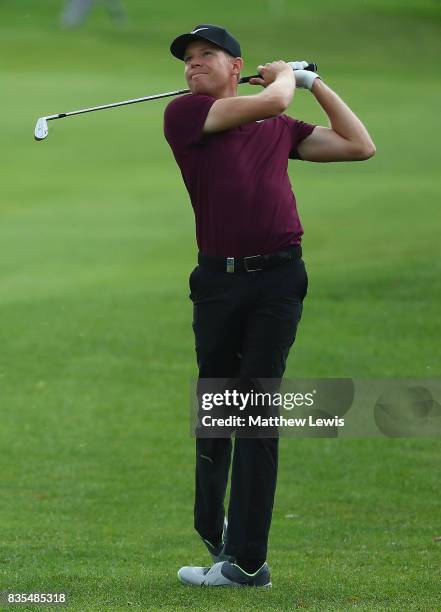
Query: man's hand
{"x":304,"y":78}
{"x":271,"y":71}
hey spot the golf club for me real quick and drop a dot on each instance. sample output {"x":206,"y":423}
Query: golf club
{"x":41,"y":128}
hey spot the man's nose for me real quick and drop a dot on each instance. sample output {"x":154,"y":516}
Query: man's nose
{"x":195,"y":62}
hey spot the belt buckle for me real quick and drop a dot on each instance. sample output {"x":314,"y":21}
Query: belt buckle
{"x":230,"y":265}
{"x":246,"y":263}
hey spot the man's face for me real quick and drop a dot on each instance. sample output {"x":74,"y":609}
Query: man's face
{"x":208,"y":69}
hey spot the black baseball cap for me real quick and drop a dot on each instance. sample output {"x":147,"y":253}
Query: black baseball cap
{"x":206,"y":31}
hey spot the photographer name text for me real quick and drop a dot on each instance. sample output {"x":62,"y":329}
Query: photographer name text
{"x":273,"y":421}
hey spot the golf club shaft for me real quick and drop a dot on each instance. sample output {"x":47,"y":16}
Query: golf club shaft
{"x":311,"y":67}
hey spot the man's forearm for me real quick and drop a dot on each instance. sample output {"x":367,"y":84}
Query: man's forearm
{"x":343,"y":121}
{"x":281,"y":89}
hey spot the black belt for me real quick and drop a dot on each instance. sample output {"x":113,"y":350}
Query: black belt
{"x":253,"y":263}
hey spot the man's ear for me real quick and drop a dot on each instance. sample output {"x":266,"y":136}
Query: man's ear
{"x":237,"y":66}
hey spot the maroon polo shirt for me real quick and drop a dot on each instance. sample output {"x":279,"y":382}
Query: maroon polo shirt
{"x":237,"y":179}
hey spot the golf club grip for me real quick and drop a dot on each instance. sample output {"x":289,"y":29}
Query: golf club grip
{"x":312,"y":67}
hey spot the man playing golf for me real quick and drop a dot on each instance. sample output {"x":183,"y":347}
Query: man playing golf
{"x":250,"y":282}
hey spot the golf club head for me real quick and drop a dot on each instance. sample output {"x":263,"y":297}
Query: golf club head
{"x":41,"y":129}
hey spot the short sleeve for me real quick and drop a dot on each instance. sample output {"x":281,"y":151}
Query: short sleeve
{"x":184,"y":119}
{"x":299,"y":131}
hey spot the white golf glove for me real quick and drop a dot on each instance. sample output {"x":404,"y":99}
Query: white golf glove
{"x":304,"y":78}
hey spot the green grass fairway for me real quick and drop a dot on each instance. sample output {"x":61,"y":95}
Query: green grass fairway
{"x":97,"y":241}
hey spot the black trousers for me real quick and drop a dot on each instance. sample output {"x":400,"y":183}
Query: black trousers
{"x":244,"y":326}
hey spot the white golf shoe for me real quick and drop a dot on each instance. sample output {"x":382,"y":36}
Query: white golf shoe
{"x":225,"y":574}
{"x":193,"y":575}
